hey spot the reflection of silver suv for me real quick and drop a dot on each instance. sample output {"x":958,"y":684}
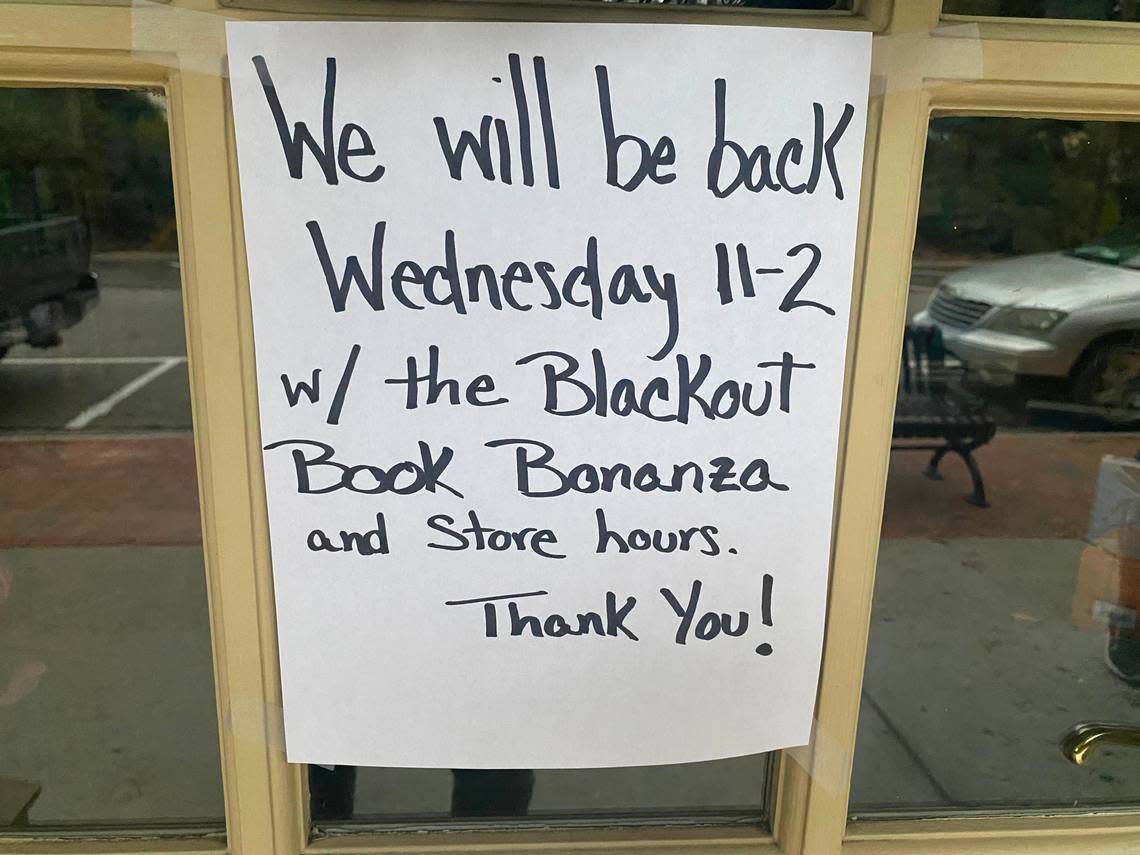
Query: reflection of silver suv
{"x":1072,"y":315}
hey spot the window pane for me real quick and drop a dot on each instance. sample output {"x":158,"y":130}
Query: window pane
{"x":726,"y":788}
{"x":753,"y":4}
{"x":1092,"y":10}
{"x":998,"y":630}
{"x":107,"y":714}
{"x":795,"y":5}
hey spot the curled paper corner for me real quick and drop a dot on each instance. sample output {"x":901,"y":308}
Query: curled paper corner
{"x":253,"y":722}
{"x":179,"y":38}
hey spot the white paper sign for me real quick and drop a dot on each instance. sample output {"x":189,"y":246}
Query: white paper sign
{"x":550,"y":324}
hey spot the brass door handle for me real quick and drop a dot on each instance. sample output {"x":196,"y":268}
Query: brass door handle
{"x":1080,"y":739}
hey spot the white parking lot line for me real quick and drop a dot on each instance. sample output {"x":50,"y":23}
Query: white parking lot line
{"x":90,"y":360}
{"x":107,"y":404}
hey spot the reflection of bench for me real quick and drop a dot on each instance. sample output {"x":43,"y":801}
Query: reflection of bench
{"x":932,"y":416}
{"x":16,"y":799}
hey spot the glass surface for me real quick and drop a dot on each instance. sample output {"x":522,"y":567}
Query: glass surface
{"x":1091,"y":10}
{"x":753,"y":4}
{"x":795,"y":5}
{"x":723,"y":788}
{"x":996,"y":631}
{"x":107,"y":713}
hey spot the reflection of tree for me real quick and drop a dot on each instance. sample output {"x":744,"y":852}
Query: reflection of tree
{"x":99,"y":152}
{"x":1015,"y":186}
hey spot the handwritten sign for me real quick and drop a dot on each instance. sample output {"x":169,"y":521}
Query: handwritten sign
{"x":550,"y":328}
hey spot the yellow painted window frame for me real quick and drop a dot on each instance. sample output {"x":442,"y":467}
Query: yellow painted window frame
{"x":922,"y":64}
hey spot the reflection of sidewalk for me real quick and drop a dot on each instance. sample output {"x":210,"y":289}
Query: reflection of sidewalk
{"x":1039,"y":485}
{"x":975,"y":668}
{"x":117,"y":721}
{"x":99,"y":492}
{"x":975,"y":671}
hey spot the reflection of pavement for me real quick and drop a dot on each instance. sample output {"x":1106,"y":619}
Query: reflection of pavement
{"x":1039,"y":485}
{"x":112,"y":709}
{"x":974,"y":672}
{"x":104,"y":491}
{"x":975,"y":667}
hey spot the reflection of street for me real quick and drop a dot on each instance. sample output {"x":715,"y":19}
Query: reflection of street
{"x":122,"y":368}
{"x":975,"y":668}
{"x":977,"y":664}
{"x":104,"y":647}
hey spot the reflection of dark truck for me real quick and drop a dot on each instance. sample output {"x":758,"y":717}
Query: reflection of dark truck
{"x":46,"y":283}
